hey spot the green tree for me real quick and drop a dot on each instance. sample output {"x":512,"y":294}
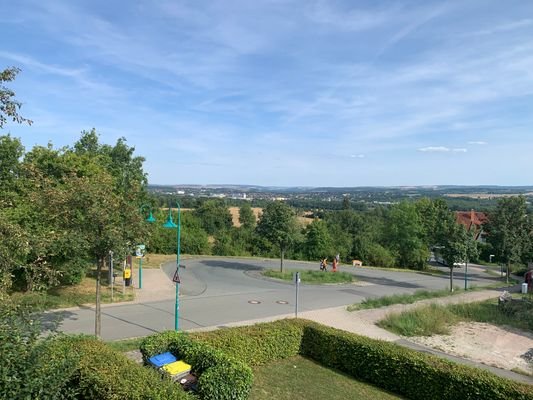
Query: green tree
{"x":247,"y":216}
{"x":214,"y":216}
{"x":455,"y":248}
{"x":404,"y":234}
{"x":9,"y":107}
{"x":318,"y":243}
{"x":509,"y":230}
{"x":278,"y":225}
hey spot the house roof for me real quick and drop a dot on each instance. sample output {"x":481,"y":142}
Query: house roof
{"x":471,"y":220}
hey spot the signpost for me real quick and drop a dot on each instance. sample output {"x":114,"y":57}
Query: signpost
{"x":297,"y":283}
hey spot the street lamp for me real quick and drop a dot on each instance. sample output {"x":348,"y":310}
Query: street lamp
{"x":171,"y":225}
{"x":151,"y":220}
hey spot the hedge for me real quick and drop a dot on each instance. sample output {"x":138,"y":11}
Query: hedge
{"x":102,"y":373}
{"x":407,"y":372}
{"x":220,"y":375}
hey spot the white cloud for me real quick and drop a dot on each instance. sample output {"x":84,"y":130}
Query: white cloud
{"x":478,"y":142}
{"x":357,"y":156}
{"x":441,"y":149}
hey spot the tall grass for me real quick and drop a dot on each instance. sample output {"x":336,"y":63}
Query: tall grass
{"x":401,"y":299}
{"x":432,"y":319}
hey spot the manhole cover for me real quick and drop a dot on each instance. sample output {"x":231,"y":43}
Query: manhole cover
{"x":282,"y":302}
{"x":254,"y":302}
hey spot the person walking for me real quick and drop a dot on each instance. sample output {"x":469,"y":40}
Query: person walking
{"x":324,"y":264}
{"x":334,"y":264}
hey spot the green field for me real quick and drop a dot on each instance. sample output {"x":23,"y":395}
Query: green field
{"x":301,"y":379}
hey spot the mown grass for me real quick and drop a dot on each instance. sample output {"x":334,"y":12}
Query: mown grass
{"x":125,"y":344}
{"x":152,"y":260}
{"x":435,"y":319}
{"x":71,"y":296}
{"x":299,"y":378}
{"x":312,"y":277}
{"x":401,"y":299}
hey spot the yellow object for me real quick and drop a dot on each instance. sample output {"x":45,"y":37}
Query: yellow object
{"x":177,"y":368}
{"x":127,"y":273}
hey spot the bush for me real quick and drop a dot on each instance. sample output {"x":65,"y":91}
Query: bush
{"x":407,"y":372}
{"x":221,"y":376}
{"x":258,"y":344}
{"x":102,"y":373}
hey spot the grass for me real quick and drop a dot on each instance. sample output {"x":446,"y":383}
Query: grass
{"x":153,"y":260}
{"x":312,"y":277}
{"x":125,"y":344}
{"x":435,"y":319}
{"x":71,"y":296}
{"x":401,"y":299}
{"x":301,"y":379}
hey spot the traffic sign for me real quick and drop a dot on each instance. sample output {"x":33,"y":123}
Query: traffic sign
{"x":176,"y":277}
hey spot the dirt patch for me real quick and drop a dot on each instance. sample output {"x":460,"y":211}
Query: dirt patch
{"x":235,"y":214}
{"x":504,"y":348}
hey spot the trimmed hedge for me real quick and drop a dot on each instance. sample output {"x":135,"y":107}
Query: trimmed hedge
{"x":403,"y":371}
{"x":102,"y":373}
{"x":258,"y":344}
{"x":221,"y":376}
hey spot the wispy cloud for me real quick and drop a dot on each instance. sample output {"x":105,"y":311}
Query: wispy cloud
{"x":441,"y":149}
{"x":477,"y":142}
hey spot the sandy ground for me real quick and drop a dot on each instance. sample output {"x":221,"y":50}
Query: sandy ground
{"x":484,"y":343}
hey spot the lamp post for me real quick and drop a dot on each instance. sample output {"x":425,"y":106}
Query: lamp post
{"x":171,"y":225}
{"x":150,"y":219}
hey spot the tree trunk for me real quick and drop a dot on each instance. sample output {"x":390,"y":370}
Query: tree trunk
{"x":508,"y":271}
{"x":282,"y":255}
{"x":98,"y":315}
{"x":451,"y":278}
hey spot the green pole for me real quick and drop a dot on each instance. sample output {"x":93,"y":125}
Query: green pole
{"x":140,"y":273}
{"x":466,"y":275}
{"x":177,"y":308}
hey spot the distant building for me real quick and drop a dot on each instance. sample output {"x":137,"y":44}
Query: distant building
{"x":473,"y":222}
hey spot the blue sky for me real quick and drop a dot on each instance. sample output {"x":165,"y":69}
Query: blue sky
{"x":285,"y":93}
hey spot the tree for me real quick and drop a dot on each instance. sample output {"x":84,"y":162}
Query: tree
{"x":247,"y":216}
{"x":318,"y":243}
{"x":278,"y":225}
{"x":509,"y":230}
{"x":404,"y":234}
{"x":214,"y":216}
{"x":8,"y":105}
{"x":455,"y":250}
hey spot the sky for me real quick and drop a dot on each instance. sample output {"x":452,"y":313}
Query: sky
{"x":283,"y":93}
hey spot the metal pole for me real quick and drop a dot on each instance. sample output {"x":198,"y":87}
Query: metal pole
{"x":177,"y":308}
{"x":111,"y":272}
{"x":466,"y":275}
{"x":297,"y":279}
{"x":140,"y":273}
{"x":123,"y":279}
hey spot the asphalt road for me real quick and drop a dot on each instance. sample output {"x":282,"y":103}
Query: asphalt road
{"x":218,"y":291}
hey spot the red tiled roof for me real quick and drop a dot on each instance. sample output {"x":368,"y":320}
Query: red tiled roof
{"x":471,"y":219}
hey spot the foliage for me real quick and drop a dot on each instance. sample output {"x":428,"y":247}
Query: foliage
{"x":405,"y":236}
{"x":102,"y":373}
{"x":318,"y":243}
{"x":221,"y":376}
{"x":398,"y":299}
{"x":8,"y":105}
{"x":312,"y":277}
{"x":428,"y":320}
{"x":247,"y":216}
{"x":410,"y":373}
{"x":214,"y":216}
{"x":278,"y":225}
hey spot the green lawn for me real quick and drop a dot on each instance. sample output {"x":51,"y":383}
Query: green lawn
{"x":313,"y":277}
{"x":301,"y":379}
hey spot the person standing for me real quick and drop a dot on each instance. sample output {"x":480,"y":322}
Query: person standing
{"x":334,"y":264}
{"x":338,"y":258}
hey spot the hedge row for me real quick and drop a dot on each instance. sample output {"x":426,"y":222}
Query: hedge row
{"x":406,"y":372}
{"x":220,"y":376}
{"x":258,"y":344}
{"x":99,"y":372}
{"x":403,"y":371}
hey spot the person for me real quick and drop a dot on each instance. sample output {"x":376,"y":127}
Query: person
{"x":334,"y":264}
{"x":338,"y":258}
{"x":324,"y":264}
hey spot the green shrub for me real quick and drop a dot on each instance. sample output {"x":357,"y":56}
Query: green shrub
{"x":102,"y":373}
{"x":403,"y":371}
{"x":221,"y":376}
{"x":258,"y":344}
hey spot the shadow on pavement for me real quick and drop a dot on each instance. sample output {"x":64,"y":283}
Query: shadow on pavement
{"x":387,"y":282}
{"x":231,"y":265}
